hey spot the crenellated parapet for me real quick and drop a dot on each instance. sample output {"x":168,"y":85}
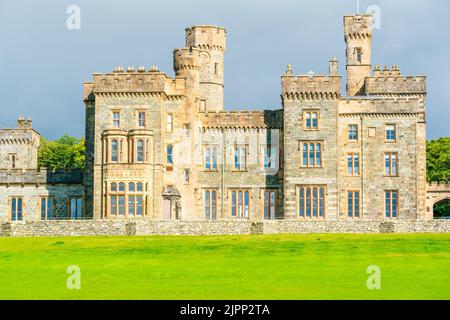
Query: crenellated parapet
{"x":242,"y":119}
{"x":41,"y":176}
{"x":358,"y":27}
{"x":134,"y":81}
{"x":443,"y":186}
{"x":186,"y":59}
{"x":391,"y":82}
{"x":380,"y":106}
{"x":206,"y":37}
{"x":310,"y":87}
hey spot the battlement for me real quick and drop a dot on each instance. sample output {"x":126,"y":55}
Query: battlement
{"x":381,"y":105}
{"x":206,"y":37}
{"x":438,"y":186}
{"x":41,"y":176}
{"x":186,"y":59}
{"x":242,"y":119}
{"x":358,"y":26}
{"x":135,"y":81}
{"x":391,"y":81}
{"x":306,"y":87}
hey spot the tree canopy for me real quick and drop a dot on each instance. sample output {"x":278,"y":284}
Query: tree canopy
{"x":65,"y":153}
{"x":438,"y":160}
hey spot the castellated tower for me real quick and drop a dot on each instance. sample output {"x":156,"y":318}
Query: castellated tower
{"x":211,"y":40}
{"x":186,"y":64}
{"x":358,"y":37}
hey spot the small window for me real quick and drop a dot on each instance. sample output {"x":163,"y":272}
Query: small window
{"x":311,"y":121}
{"x":131,"y":187}
{"x":46,"y":208}
{"x":13,"y":161}
{"x":269,"y":153}
{"x":113,"y":186}
{"x":186,"y":175}
{"x":240,"y":202}
{"x":391,"y":198}
{"x":240,"y":157}
{"x":139,"y":187}
{"x":216,"y":69}
{"x":76,"y":208}
{"x":16,"y":209}
{"x":353,"y":204}
{"x":116,"y":119}
{"x":210,"y":205}
{"x":353,"y":132}
{"x":359,"y":55}
{"x":391,"y":164}
{"x":114,"y":148}
{"x":169,"y":154}
{"x":141,"y":119}
{"x":169,"y":122}
{"x":390,"y":133}
{"x":210,"y":158}
{"x":353,"y":164}
{"x":187,"y":129}
{"x":140,"y":150}
{"x":121,"y":187}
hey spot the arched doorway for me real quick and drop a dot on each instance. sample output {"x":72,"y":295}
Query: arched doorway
{"x":171,"y":203}
{"x":441,"y":209}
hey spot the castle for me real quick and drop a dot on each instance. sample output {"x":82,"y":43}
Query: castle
{"x":162,"y":148}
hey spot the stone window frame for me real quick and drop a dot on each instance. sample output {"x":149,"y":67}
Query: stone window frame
{"x":169,"y":164}
{"x":210,"y":147}
{"x":135,"y":193}
{"x":169,"y":122}
{"x":390,"y":154}
{"x":311,"y":112}
{"x":116,"y":122}
{"x":353,"y":212}
{"x":234,"y":194}
{"x":390,"y":214}
{"x":141,"y":123}
{"x":16,"y":213}
{"x":298,"y":195}
{"x":186,"y":176}
{"x":386,"y":133}
{"x":358,"y":54}
{"x":210,"y":206}
{"x":13,"y":159}
{"x":349,"y":131}
{"x":45,"y":214}
{"x":308,"y":143}
{"x":238,"y":166}
{"x":264,"y":191}
{"x":352,"y":155}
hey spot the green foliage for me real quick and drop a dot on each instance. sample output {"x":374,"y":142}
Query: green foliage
{"x":438,"y":160}
{"x":65,"y":153}
{"x":442,"y":209}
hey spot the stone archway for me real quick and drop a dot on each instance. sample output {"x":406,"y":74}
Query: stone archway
{"x":437,"y":194}
{"x":441,"y":208}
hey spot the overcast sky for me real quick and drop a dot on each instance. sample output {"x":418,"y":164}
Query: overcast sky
{"x":43,"y":63}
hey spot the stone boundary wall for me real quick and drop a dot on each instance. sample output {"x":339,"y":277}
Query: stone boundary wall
{"x":224,"y":227}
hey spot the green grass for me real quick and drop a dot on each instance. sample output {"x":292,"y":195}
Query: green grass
{"x":415,"y":266}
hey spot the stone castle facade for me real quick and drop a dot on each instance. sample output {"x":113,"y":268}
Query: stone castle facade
{"x":162,"y":148}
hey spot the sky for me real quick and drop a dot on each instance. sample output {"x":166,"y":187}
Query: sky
{"x":43,"y":63}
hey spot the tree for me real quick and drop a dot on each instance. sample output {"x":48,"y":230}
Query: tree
{"x":65,"y":153}
{"x":438,"y":160}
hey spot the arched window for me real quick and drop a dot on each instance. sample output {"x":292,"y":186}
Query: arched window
{"x":169,"y":154}
{"x":121,"y":186}
{"x":113,"y":186}
{"x":139,"y":187}
{"x":131,"y":187}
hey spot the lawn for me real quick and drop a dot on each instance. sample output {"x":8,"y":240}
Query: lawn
{"x":413,"y":266}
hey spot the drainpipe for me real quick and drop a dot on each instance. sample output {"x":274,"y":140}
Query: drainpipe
{"x":362,"y":167}
{"x":223,"y":175}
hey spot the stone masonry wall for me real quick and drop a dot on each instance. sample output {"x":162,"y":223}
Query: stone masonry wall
{"x":225,"y":227}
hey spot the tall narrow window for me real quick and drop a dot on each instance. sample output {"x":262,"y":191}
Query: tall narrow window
{"x":312,"y":154}
{"x":390,"y":133}
{"x":141,"y":119}
{"x":140,"y":150}
{"x":314,"y":120}
{"x":76,"y":208}
{"x":216,"y":69}
{"x":116,"y":119}
{"x":210,"y":157}
{"x":353,"y":164}
{"x":353,"y":132}
{"x":269,"y":204}
{"x":308,"y":120}
{"x":311,"y":120}
{"x":210,"y":205}
{"x":391,"y":203}
{"x":240,"y":203}
{"x":353,"y":204}
{"x":390,"y":164}
{"x":359,"y":55}
{"x":169,"y":122}
{"x":240,"y":157}
{"x":114,"y":147}
{"x":186,"y":174}
{"x":169,"y":154}
{"x":16,"y":209}
{"x":13,"y":161}
{"x":269,"y":153}
{"x":46,"y":208}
